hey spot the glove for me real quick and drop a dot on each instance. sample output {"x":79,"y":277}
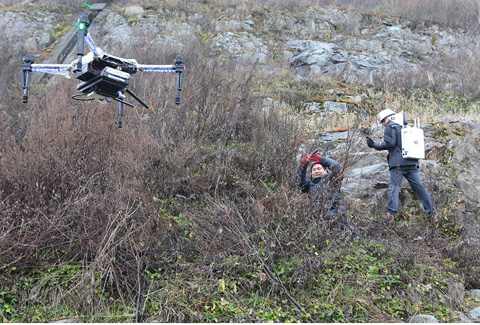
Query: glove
{"x":370,"y":142}
{"x":316,"y":158}
{"x":304,"y":162}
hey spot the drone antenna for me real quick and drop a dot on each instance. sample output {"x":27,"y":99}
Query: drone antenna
{"x":26,"y":69}
{"x":179,"y":69}
{"x":83,"y":23}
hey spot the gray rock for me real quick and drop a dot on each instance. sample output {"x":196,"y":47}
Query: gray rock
{"x":67,"y":320}
{"x":318,"y":29}
{"x":335,"y":107}
{"x":116,"y":34}
{"x":475,"y":315}
{"x":423,"y":319}
{"x":233,"y":25}
{"x":241,"y":45}
{"x":313,"y":107}
{"x":367,"y":186}
{"x":474,"y":292}
{"x":333,"y":136}
{"x":27,"y":33}
{"x":134,"y":11}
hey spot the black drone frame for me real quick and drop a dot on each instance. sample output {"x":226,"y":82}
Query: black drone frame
{"x":104,"y":77}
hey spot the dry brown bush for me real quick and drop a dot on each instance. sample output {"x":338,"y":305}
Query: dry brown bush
{"x":76,"y":187}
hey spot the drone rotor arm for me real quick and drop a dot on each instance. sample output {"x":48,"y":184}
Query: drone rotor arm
{"x":178,"y":67}
{"x":155,"y":68}
{"x":97,"y":52}
{"x":52,"y":68}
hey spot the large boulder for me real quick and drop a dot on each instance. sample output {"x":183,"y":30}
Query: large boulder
{"x":241,"y":45}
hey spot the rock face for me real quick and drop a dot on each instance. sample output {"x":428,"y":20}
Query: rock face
{"x":362,"y":46}
{"x":475,"y":315}
{"x":27,"y":32}
{"x":326,"y":41}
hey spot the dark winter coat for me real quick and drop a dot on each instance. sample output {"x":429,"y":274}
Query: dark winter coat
{"x":392,"y":141}
{"x":325,"y":190}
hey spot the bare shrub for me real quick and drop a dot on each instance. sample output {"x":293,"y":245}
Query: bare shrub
{"x":77,"y":188}
{"x":463,"y":70}
{"x":458,"y":13}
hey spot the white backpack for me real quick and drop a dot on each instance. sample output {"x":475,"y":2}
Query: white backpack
{"x":413,"y":139}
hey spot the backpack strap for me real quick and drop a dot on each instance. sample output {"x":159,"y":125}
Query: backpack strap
{"x":396,"y":144}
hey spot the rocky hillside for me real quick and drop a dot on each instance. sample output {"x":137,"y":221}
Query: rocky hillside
{"x":189,"y":213}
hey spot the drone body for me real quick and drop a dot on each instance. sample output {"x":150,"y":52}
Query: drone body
{"x":103,"y":77}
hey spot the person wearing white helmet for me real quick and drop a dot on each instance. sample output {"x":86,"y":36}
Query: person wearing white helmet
{"x":400,"y":167}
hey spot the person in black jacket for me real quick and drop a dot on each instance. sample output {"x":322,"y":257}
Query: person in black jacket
{"x":400,"y":167}
{"x":324,"y":188}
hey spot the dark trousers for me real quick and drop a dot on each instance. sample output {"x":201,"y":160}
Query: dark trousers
{"x":412,"y":174}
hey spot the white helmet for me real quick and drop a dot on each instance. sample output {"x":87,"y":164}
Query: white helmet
{"x":385,"y":113}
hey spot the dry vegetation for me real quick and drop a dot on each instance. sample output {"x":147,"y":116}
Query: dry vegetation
{"x":188,"y":213}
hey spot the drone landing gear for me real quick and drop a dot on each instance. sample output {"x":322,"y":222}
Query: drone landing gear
{"x":120,"y":110}
{"x":121,"y":102}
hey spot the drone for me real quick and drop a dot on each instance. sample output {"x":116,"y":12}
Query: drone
{"x":103,"y":77}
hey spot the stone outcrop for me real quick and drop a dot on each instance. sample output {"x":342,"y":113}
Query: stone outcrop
{"x":27,"y":32}
{"x":326,"y":41}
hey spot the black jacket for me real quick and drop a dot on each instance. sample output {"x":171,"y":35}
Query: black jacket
{"x":325,"y":190}
{"x":392,"y":141}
